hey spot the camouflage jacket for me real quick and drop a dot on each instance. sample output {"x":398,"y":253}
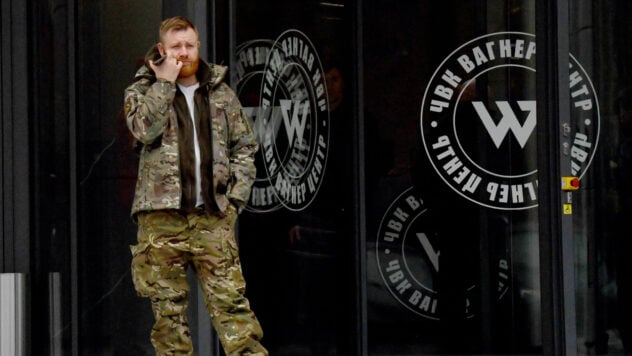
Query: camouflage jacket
{"x":152,"y":121}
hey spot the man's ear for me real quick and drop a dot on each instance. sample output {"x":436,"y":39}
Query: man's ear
{"x":161,"y":48}
{"x":198,"y":44}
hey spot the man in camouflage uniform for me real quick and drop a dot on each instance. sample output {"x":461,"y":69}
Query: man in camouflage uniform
{"x":195,"y":174}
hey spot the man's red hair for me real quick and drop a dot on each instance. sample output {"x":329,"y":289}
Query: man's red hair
{"x":176,"y":23}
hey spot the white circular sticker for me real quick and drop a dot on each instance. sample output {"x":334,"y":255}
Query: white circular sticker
{"x":295,"y":120}
{"x":251,"y":62}
{"x":408,"y":258}
{"x":478,"y":120}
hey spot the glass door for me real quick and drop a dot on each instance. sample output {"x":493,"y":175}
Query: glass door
{"x":452,"y":181}
{"x":112,"y":39}
{"x":600,"y":40}
{"x":293,"y":73}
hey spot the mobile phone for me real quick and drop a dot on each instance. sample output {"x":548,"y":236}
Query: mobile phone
{"x":158,"y":59}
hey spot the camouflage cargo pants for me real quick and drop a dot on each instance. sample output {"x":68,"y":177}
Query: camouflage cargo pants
{"x":168,"y":242}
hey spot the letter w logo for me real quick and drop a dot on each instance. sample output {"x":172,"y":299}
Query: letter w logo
{"x":294,"y":125}
{"x":508,"y":122}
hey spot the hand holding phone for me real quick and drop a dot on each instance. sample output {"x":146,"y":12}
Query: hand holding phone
{"x":165,"y":67}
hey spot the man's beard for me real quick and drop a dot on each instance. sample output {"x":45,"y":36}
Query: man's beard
{"x":189,"y":69}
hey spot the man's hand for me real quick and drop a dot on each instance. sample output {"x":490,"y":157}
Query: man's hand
{"x":168,"y":70}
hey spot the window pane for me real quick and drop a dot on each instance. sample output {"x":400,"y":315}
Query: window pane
{"x":600,"y":40}
{"x":293,"y":75}
{"x":113,"y":37}
{"x":452,"y":244}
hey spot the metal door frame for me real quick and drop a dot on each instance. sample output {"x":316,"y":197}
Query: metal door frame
{"x":557,"y":268}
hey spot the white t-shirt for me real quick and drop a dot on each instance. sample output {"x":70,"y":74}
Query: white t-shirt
{"x":188,"y":95}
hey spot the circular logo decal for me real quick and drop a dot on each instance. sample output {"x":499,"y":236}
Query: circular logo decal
{"x":408,"y":256}
{"x":295,"y":120}
{"x":478,"y":119}
{"x":251,"y":62}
